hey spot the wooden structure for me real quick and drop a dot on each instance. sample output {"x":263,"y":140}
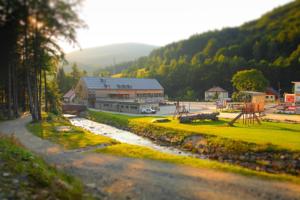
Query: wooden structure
{"x":251,"y":109}
{"x":180,"y":110}
{"x":69,"y":96}
{"x":201,"y":116}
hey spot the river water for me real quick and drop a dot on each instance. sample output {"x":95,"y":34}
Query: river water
{"x":124,"y":136}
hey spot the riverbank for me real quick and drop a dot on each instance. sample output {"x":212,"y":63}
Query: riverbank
{"x":271,"y":147}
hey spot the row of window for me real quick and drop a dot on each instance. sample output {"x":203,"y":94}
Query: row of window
{"x":150,"y":95}
{"x":122,"y":106}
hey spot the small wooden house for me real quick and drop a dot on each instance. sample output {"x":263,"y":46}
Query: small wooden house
{"x":271,"y":95}
{"x":69,"y":96}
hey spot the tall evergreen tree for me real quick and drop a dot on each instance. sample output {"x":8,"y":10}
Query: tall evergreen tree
{"x":29,"y":30}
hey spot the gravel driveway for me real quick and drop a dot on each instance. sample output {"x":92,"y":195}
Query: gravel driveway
{"x":110,"y":177}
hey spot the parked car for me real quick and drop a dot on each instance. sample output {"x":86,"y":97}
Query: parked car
{"x":148,"y":111}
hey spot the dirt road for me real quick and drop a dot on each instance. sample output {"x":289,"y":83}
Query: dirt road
{"x":111,"y":177}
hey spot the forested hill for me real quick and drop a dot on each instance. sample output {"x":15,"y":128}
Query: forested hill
{"x":91,"y":59}
{"x":189,"y":67}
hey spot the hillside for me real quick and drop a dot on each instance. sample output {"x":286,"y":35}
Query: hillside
{"x":188,"y":67}
{"x":93,"y":58}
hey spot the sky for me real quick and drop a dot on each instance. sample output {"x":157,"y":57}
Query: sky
{"x":160,"y":22}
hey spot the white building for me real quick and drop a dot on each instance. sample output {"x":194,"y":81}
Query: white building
{"x":215,"y":93}
{"x":297,"y":91}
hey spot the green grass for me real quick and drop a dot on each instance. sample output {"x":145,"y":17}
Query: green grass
{"x":117,"y":120}
{"x":230,"y":111}
{"x":19,"y":162}
{"x":140,"y":152}
{"x":282,"y":135}
{"x":76,"y":138}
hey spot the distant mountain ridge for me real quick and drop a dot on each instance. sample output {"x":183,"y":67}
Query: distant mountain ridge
{"x":91,"y":59}
{"x":187,"y":68}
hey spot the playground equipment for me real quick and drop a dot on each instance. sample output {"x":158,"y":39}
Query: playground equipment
{"x":180,"y":110}
{"x":251,"y":109}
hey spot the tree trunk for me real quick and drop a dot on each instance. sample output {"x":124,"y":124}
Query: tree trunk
{"x":9,"y":93}
{"x":40,"y":93}
{"x":15,"y":92}
{"x":35,"y":94}
{"x":30,"y":95}
{"x":45,"y":91}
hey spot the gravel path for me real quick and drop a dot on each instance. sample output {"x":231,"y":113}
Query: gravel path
{"x":111,"y":177}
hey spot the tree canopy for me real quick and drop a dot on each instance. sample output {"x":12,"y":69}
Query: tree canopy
{"x":249,"y":80}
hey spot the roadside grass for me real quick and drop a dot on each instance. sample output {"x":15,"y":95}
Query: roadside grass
{"x":73,"y":139}
{"x":35,"y":175}
{"x":280,"y":135}
{"x":134,"y":151}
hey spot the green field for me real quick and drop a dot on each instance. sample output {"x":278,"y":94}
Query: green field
{"x":282,"y":135}
{"x":76,"y":138}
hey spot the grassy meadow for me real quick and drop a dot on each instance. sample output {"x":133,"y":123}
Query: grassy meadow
{"x":282,"y":135}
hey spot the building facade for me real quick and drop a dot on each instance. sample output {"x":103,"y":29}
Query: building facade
{"x":69,"y":96}
{"x":271,"y":95}
{"x":119,"y":94}
{"x":297,"y":92}
{"x":216,"y":93}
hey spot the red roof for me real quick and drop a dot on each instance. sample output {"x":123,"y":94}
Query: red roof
{"x":69,"y":94}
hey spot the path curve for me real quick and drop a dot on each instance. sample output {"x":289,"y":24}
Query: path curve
{"x":111,"y":177}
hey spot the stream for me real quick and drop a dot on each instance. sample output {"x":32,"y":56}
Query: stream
{"x":124,"y":136}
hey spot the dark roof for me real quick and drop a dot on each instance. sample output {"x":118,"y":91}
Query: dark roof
{"x":272,"y":91}
{"x":121,"y":83}
{"x":69,"y":94}
{"x":216,"y":89}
